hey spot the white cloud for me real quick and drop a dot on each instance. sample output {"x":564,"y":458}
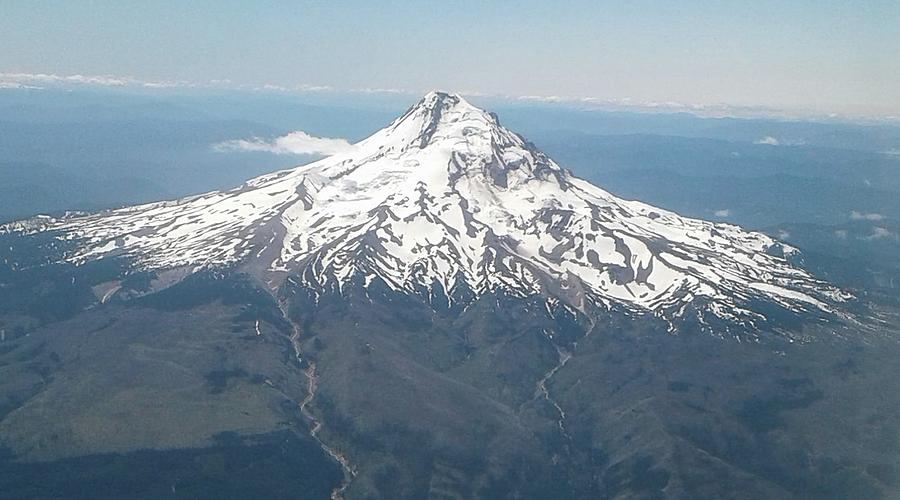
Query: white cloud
{"x":865,"y":216}
{"x":97,"y":80}
{"x":380,"y":90}
{"x":17,"y":85}
{"x":783,"y":235}
{"x":841,"y":233}
{"x":774,"y":141}
{"x":722,"y":213}
{"x":304,"y":87}
{"x":10,"y":79}
{"x":880,"y":233}
{"x":294,"y":143}
{"x":712,"y":109}
{"x":281,"y":88}
{"x":768,"y":140}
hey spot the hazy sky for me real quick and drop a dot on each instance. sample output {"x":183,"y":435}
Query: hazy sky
{"x":820,"y":56}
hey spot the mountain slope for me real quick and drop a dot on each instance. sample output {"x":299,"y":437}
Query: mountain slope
{"x":447,"y":204}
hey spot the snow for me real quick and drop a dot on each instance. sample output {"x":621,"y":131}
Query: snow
{"x":445,"y":194}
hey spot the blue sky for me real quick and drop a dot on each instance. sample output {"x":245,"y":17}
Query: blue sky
{"x":821,"y":57}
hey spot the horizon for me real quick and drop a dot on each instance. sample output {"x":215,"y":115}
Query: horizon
{"x":829,"y":61}
{"x":139,"y":86}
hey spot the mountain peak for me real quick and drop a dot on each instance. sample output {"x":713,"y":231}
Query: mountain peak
{"x":436,"y":114}
{"x":439,"y":101}
{"x":436,"y":96}
{"x":462,"y":140}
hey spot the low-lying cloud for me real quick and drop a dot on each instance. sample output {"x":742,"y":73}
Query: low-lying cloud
{"x":774,"y":141}
{"x":865,"y":216}
{"x":879,"y":233}
{"x":30,"y":80}
{"x":294,"y":143}
{"x":769,"y":141}
{"x":722,"y":213}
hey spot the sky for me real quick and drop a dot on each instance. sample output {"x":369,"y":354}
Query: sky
{"x":815,"y":56}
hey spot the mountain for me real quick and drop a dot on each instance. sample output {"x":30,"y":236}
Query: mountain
{"x":447,"y":204}
{"x":442,"y":311}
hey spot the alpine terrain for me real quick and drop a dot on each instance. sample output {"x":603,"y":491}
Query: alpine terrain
{"x":442,"y":311}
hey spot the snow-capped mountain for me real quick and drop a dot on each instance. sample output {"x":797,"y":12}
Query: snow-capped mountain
{"x":445,"y":198}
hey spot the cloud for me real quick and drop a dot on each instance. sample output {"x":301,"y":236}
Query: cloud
{"x":774,"y":141}
{"x":841,"y":233}
{"x":880,"y":233}
{"x":305,"y":87}
{"x":281,"y":88}
{"x":90,"y":80}
{"x":705,"y":109}
{"x":380,"y":90}
{"x":17,"y":85}
{"x":712,"y":109}
{"x":10,"y":79}
{"x":294,"y":143}
{"x":783,"y":235}
{"x":768,"y":140}
{"x":865,"y":216}
{"x":722,"y":213}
